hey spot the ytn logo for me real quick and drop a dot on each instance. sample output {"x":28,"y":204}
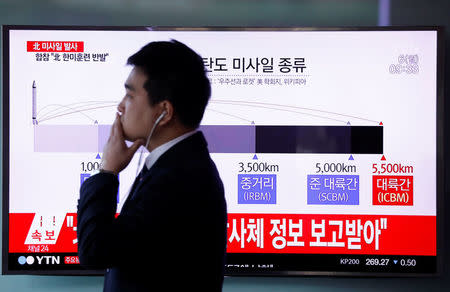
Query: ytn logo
{"x":47,"y":260}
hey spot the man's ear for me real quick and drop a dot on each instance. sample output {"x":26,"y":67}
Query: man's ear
{"x":167,"y":108}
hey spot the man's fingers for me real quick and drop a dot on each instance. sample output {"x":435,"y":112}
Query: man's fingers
{"x":118,"y":128}
{"x":133,"y":148}
{"x":114,"y":125}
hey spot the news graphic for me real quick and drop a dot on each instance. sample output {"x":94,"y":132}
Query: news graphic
{"x":325,"y":141}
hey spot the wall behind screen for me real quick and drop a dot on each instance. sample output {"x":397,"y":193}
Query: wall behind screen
{"x":231,"y":13}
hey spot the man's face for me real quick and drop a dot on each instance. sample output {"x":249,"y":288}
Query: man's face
{"x":136,"y":112}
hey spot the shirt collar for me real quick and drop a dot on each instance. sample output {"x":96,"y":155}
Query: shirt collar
{"x":160,"y":150}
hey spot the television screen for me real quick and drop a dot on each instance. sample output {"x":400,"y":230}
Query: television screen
{"x":328,"y":142}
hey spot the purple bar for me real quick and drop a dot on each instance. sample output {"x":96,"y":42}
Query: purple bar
{"x":103,"y":135}
{"x":92,"y":138}
{"x":65,"y":138}
{"x":230,"y":139}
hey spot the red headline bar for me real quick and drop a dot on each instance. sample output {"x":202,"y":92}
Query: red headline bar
{"x":55,"y":46}
{"x":273,"y":233}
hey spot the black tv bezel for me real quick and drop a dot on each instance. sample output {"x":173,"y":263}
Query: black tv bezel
{"x":440,"y":163}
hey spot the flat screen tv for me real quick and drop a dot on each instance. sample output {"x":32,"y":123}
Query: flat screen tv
{"x":329,"y":142}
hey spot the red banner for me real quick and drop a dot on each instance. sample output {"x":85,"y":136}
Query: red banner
{"x":55,"y":46}
{"x":268,"y":233}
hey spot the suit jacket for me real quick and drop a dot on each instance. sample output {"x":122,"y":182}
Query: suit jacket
{"x":171,"y":231}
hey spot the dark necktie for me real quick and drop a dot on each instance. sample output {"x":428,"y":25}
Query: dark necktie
{"x":141,"y":174}
{"x":139,"y":178}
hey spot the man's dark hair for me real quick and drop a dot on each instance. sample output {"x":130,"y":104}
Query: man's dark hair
{"x":177,"y":74}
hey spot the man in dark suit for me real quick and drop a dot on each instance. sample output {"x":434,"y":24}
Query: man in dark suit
{"x":171,"y":232}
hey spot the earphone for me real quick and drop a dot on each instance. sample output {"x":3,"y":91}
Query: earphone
{"x":161,"y":116}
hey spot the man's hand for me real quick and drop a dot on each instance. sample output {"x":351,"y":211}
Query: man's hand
{"x":116,"y":154}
